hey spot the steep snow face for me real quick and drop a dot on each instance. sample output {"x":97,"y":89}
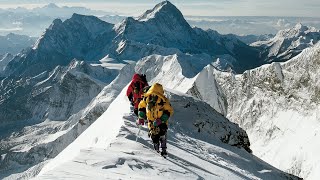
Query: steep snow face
{"x":194,"y":145}
{"x":187,"y":74}
{"x":174,"y":71}
{"x":206,"y":88}
{"x":278,"y":106}
{"x":288,"y":43}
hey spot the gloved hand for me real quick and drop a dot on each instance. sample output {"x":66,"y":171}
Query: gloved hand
{"x":142,"y":115}
{"x":157,"y":122}
{"x":140,"y":122}
{"x":130,"y":97}
{"x":164,"y":118}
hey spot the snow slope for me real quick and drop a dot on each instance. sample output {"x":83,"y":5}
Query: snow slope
{"x":193,"y":154}
{"x":278,"y":106}
{"x":185,"y":73}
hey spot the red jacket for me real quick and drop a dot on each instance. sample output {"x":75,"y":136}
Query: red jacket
{"x":136,"y":82}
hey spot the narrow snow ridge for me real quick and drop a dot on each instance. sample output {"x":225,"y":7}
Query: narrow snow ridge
{"x":195,"y":145}
{"x":98,"y":135}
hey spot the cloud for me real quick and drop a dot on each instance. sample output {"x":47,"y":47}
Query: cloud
{"x":11,"y":29}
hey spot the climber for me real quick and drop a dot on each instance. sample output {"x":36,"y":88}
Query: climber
{"x":156,"y":108}
{"x":135,"y":90}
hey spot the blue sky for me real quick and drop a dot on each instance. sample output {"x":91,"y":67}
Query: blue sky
{"x":305,"y":8}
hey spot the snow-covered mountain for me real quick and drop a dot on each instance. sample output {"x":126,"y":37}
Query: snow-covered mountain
{"x":14,"y":43}
{"x":78,"y":37}
{"x":51,"y":93}
{"x":288,"y":43}
{"x":165,"y":26}
{"x":278,"y":106}
{"x":187,"y":74}
{"x":195,"y":148}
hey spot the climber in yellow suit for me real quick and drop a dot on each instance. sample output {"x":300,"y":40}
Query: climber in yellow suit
{"x":156,"y":109}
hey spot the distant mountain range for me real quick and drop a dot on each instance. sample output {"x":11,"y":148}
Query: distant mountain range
{"x":14,"y":43}
{"x":250,"y":25}
{"x":288,"y":43}
{"x":34,"y":22}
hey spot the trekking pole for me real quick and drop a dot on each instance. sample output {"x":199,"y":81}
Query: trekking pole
{"x":138,"y":132}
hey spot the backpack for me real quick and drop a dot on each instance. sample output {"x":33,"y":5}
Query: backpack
{"x":136,"y":87}
{"x":137,"y":91}
{"x":153,"y":103}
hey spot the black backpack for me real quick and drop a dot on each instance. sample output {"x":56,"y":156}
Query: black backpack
{"x":151,"y":102}
{"x":136,"y":87}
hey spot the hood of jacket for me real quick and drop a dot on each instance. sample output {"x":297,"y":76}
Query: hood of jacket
{"x":156,"y":89}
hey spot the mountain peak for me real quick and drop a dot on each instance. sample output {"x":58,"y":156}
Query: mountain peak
{"x":296,"y":31}
{"x":300,"y":27}
{"x":51,"y":5}
{"x":57,"y":21}
{"x":165,"y":8}
{"x":76,"y":16}
{"x":165,"y":4}
{"x":55,"y":24}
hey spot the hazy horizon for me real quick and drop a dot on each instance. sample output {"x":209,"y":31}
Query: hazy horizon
{"x":271,"y":8}
{"x":34,"y":22}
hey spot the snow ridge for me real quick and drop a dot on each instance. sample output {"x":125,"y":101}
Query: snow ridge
{"x":195,"y":150}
